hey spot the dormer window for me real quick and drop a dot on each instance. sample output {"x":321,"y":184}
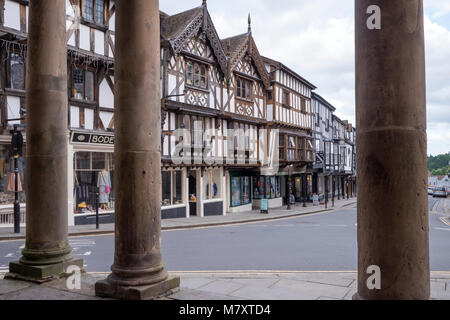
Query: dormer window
{"x":196,"y":75}
{"x":94,"y":11}
{"x":244,"y":88}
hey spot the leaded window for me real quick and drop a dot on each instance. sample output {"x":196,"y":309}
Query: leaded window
{"x":94,"y":11}
{"x":196,"y":75}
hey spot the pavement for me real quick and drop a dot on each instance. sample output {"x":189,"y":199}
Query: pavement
{"x":7,"y":233}
{"x":270,"y":285}
{"x":226,"y":285}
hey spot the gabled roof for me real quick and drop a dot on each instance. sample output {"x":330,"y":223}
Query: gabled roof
{"x":324,"y":102}
{"x":179,"y":28}
{"x":173,"y":26}
{"x":238,"y":46}
{"x":279,"y":65}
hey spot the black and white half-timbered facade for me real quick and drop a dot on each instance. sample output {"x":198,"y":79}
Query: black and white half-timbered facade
{"x":334,"y":169}
{"x":289,"y":112}
{"x":236,"y":127}
{"x":90,"y":61}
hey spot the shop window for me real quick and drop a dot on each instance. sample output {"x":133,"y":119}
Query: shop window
{"x":83,"y":85}
{"x":16,"y":72}
{"x":266,"y":187}
{"x":240,"y":191}
{"x":171,"y":185}
{"x":196,"y":75}
{"x":244,"y":88}
{"x":93,"y":173}
{"x":211,"y":184}
{"x":7,"y":177}
{"x":94,"y":11}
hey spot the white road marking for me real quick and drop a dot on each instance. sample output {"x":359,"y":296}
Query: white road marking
{"x":445,"y":229}
{"x":445,"y":221}
{"x":22,"y":247}
{"x":87,"y":253}
{"x":9,"y":255}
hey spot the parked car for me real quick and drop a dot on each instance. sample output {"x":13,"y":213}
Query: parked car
{"x":430,"y":191}
{"x":439,"y":192}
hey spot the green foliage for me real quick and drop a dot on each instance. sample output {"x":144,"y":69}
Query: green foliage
{"x":441,"y":172}
{"x":439,"y":163}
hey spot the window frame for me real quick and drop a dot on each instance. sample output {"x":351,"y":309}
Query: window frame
{"x":173,"y":188}
{"x":94,"y":22}
{"x":94,"y":84}
{"x":240,"y":89}
{"x":190,"y":77}
{"x":8,"y":79}
{"x":286,"y":94}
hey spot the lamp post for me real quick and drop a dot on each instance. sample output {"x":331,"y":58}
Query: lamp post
{"x":305,"y":193}
{"x":17,"y":144}
{"x":289,"y":188}
{"x":333,"y":186}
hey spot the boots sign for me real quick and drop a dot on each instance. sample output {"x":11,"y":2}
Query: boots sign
{"x":92,"y":138}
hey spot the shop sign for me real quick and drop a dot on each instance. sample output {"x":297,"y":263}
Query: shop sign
{"x":264,"y":206}
{"x":92,"y":138}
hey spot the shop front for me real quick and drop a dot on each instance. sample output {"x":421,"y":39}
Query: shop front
{"x":91,"y":178}
{"x":240,"y":191}
{"x":7,"y":182}
{"x":265,"y":187}
{"x":174,"y":197}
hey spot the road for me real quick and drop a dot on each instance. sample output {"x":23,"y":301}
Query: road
{"x":325,"y":242}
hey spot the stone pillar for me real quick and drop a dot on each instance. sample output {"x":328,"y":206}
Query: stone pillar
{"x":185,"y":190}
{"x":47,"y":252}
{"x":199,"y":180}
{"x":392,"y":143}
{"x":138,"y":271}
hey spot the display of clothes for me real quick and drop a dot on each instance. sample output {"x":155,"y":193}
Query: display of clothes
{"x":11,"y":181}
{"x":104,"y":185}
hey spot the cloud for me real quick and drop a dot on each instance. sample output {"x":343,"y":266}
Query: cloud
{"x":316,"y":39}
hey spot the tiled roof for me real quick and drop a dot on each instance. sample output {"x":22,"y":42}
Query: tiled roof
{"x":172,"y":26}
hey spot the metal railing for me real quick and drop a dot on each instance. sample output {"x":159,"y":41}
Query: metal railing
{"x":7,"y":218}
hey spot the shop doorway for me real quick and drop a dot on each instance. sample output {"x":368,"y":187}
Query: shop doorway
{"x":192,"y":193}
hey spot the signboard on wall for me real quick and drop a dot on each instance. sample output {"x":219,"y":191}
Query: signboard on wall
{"x":92,"y":138}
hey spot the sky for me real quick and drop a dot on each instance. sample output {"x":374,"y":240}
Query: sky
{"x":316,"y":39}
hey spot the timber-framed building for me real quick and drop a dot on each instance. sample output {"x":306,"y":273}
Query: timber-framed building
{"x":248,"y":118}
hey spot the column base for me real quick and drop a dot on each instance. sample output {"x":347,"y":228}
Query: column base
{"x":41,"y":273}
{"x":106,"y":289}
{"x":356,"y":297}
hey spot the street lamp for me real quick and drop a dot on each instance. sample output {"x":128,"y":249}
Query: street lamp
{"x":289,"y":188}
{"x":17,"y":144}
{"x":305,"y":193}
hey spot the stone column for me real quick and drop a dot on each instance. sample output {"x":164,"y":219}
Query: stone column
{"x":392,"y":143}
{"x":138,"y":271}
{"x":47,"y":252}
